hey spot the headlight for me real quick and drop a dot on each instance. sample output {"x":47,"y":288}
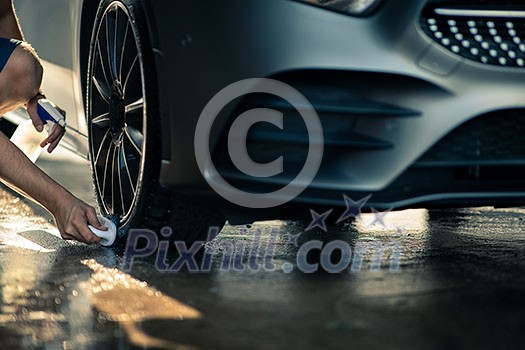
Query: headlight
{"x":350,"y":7}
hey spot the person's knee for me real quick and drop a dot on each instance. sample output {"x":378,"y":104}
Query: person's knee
{"x":23,"y":74}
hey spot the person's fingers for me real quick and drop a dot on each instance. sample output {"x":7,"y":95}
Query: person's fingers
{"x":55,"y":135}
{"x":93,"y":220}
{"x":32,"y":110}
{"x":88,"y":236}
{"x":37,"y":122}
{"x":51,"y":137}
{"x":55,"y":143}
{"x":84,"y":230}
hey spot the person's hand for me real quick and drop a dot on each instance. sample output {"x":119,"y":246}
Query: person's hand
{"x":73,"y":217}
{"x":56,"y":134}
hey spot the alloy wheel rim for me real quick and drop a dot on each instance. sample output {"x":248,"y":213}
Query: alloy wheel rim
{"x":117,"y":113}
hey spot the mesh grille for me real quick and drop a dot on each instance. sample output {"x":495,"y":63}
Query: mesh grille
{"x":487,"y":32}
{"x":495,"y":137}
{"x":479,"y":4}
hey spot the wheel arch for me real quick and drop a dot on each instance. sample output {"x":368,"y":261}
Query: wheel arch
{"x":89,"y":12}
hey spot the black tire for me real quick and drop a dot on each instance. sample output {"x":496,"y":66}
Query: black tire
{"x":124,"y":128}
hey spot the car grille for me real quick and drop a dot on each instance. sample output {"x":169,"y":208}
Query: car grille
{"x":493,"y":139}
{"x":489,"y":32}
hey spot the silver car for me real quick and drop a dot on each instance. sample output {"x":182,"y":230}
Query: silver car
{"x":422,"y":102}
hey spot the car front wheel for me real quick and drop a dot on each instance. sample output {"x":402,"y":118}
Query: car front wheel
{"x":124,"y":128}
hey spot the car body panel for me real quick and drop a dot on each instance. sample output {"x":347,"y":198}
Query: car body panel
{"x":262,"y":38}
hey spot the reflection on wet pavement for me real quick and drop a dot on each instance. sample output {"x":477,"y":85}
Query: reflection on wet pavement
{"x":460,"y":285}
{"x":128,"y":301}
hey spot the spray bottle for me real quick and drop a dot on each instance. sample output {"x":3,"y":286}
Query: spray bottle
{"x":27,"y":139}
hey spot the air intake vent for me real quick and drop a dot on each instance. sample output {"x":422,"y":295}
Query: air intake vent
{"x":494,"y":139}
{"x":489,"y":32}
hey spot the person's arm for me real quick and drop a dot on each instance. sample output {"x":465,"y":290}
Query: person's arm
{"x":9,"y":26}
{"x":71,"y":214}
{"x":24,"y":70}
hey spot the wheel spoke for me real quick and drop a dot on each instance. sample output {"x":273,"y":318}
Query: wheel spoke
{"x":135,"y":114}
{"x":138,"y":105}
{"x":121,"y":190}
{"x":135,"y":137}
{"x":101,"y":146}
{"x":102,"y":92}
{"x":114,"y":56}
{"x":104,"y":175}
{"x":135,"y":60}
{"x":96,"y":159}
{"x":110,"y":45}
{"x":123,"y":51}
{"x":103,"y":119}
{"x":113,"y":179}
{"x":125,"y":158}
{"x":102,"y":65}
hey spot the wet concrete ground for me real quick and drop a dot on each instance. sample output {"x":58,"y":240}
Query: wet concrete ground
{"x":446,"y":280}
